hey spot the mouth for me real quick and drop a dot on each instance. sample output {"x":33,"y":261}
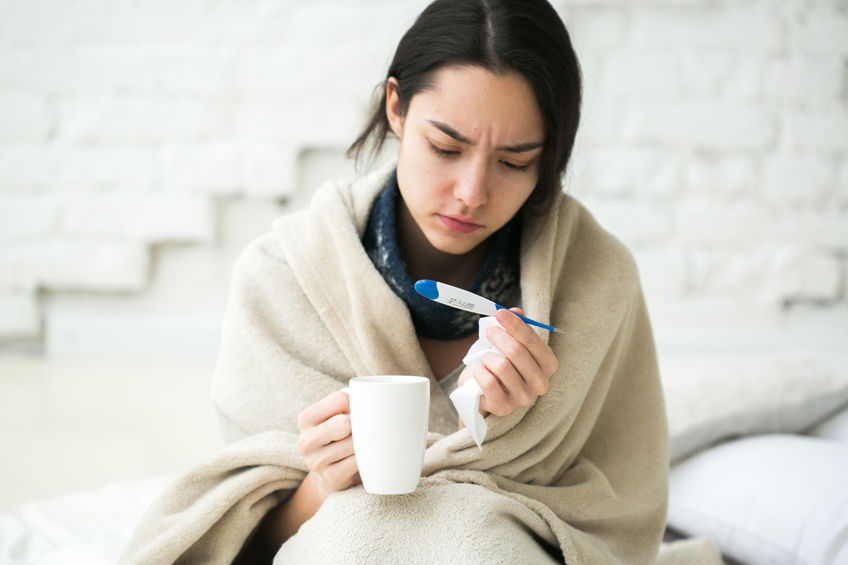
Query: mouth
{"x":459,"y":224}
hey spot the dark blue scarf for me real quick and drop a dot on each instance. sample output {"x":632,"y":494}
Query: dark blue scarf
{"x":497,"y":280}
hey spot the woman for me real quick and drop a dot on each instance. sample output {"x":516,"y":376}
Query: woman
{"x":483,"y":96}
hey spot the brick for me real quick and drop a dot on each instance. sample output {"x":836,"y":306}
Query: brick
{"x":701,"y":221}
{"x":703,"y":125}
{"x":75,"y":264}
{"x":637,"y":222}
{"x":740,"y":272}
{"x":724,"y":175}
{"x":720,"y":25}
{"x":819,"y":131}
{"x":244,"y":219}
{"x":641,"y":73}
{"x":722,"y":74}
{"x":818,"y":27}
{"x":20,"y":315}
{"x":140,"y":119}
{"x":594,"y":28}
{"x":825,"y":228}
{"x":268,"y":170}
{"x":802,"y":274}
{"x":663,"y":271}
{"x":33,"y":21}
{"x":23,"y":118}
{"x":635,"y":171}
{"x":316,"y":121}
{"x":151,"y":217}
{"x":799,"y":180}
{"x":745,"y":82}
{"x":317,"y":165}
{"x":600,"y":121}
{"x":28,"y":216}
{"x":202,"y":71}
{"x":356,"y":66}
{"x":64,"y":166}
{"x":270,"y":69}
{"x":124,"y":68}
{"x":211,"y":168}
{"x":806,"y":81}
{"x":61,"y":69}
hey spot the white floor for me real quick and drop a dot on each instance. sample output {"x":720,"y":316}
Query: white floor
{"x":72,"y":425}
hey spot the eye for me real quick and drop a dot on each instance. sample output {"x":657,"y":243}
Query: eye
{"x":514,"y":167}
{"x":442,"y":152}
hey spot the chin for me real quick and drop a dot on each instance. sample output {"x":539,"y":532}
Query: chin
{"x":454,"y":246}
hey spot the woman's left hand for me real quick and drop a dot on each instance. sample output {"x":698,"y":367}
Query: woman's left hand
{"x":519,"y":377}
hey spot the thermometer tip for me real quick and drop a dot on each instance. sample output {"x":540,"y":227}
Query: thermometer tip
{"x":427,"y":289}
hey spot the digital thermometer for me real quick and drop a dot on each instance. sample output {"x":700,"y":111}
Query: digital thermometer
{"x":468,"y":301}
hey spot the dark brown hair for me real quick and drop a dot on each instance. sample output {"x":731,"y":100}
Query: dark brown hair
{"x":523,"y":36}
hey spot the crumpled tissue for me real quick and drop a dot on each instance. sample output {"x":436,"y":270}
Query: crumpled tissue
{"x":466,"y":399}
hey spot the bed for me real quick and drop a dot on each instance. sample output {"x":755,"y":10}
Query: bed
{"x":759,"y":454}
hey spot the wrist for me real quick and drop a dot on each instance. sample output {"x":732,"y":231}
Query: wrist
{"x":317,"y":487}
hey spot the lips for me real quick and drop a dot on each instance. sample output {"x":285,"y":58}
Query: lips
{"x":459,"y":224}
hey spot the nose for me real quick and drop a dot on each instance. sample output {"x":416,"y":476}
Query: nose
{"x":470,"y":187}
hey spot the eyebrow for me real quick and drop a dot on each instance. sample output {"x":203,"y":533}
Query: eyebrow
{"x":518,"y":148}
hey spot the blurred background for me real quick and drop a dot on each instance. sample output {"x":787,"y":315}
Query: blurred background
{"x":144,"y":144}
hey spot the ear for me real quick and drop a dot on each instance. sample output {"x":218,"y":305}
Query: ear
{"x":392,"y":107}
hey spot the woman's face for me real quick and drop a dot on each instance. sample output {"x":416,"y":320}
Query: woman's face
{"x":470,"y":147}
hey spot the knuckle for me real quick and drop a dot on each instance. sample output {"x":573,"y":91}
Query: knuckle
{"x":488,"y":384}
{"x":310,"y":460}
{"x":341,"y":426}
{"x":512,"y":349}
{"x":302,"y":422}
{"x":303,"y":445}
{"x":501,"y":410}
{"x":497,"y":364}
{"x":339,"y":398}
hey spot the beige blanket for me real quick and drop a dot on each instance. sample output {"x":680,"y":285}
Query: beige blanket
{"x":580,"y":475}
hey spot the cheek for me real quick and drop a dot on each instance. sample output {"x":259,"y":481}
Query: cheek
{"x":512,"y":194}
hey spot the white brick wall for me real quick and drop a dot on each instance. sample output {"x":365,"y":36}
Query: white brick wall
{"x":142,"y":145}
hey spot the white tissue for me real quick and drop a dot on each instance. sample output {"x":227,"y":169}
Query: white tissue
{"x":466,"y":399}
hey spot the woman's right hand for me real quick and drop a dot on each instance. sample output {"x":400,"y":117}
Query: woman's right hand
{"x":327,"y":447}
{"x":326,"y":443}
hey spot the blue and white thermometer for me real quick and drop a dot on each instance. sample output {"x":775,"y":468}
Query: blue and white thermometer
{"x":468,"y":301}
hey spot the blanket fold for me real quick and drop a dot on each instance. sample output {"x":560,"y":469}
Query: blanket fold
{"x":580,"y":475}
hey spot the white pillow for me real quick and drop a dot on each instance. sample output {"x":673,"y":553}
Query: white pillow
{"x":714,"y":398}
{"x":834,"y":428}
{"x":773,"y":499}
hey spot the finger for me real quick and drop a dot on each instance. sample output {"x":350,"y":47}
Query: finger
{"x":335,"y":429}
{"x":464,"y":376}
{"x":342,"y":474}
{"x":540,"y":351}
{"x":329,"y":454}
{"x":533,"y":375}
{"x":520,"y":330}
{"x":334,"y":403}
{"x":494,"y":397}
{"x":516,"y":388}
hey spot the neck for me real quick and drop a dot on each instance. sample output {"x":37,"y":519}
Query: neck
{"x":423,"y":261}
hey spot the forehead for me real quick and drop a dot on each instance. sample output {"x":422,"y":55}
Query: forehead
{"x":478,"y":102}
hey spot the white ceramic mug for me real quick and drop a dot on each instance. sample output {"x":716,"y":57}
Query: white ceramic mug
{"x":389,"y":417}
